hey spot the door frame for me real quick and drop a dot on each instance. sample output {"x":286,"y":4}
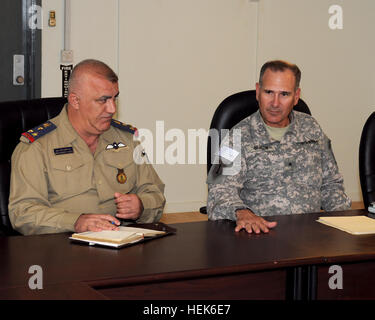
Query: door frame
{"x":33,"y":46}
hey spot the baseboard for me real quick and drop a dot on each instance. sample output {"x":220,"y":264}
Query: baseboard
{"x":357,"y":205}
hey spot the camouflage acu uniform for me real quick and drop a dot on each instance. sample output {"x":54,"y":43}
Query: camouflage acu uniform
{"x":298,"y":174}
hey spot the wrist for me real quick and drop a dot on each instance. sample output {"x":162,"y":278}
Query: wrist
{"x":241,"y":212}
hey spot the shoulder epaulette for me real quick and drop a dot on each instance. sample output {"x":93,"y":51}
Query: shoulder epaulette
{"x":39,"y":131}
{"x":124,"y":127}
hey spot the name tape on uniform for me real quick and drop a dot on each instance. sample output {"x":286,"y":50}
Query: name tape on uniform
{"x":65,"y":150}
{"x":228,"y":153}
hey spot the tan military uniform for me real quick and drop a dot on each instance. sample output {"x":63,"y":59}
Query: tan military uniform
{"x":56,"y":178}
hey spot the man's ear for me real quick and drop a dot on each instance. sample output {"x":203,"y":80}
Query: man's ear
{"x":257,"y":89}
{"x":73,"y":100}
{"x":297,"y":95}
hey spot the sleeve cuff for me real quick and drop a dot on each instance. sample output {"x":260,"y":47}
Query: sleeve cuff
{"x":238,"y":207}
{"x":68,"y":220}
{"x":150,"y":201}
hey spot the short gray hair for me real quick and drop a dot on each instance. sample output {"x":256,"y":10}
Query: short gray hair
{"x":280,"y":65}
{"x":95,"y":66}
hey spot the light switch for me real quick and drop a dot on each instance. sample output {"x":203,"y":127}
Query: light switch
{"x":67,"y":56}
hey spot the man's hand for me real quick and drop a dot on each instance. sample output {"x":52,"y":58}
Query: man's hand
{"x":96,"y":222}
{"x":252,"y":223}
{"x":129,"y":206}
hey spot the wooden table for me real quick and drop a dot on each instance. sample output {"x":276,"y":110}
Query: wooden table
{"x":204,"y":260}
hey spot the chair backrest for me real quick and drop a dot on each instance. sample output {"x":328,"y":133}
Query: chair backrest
{"x":232,"y":110}
{"x":367,"y":161}
{"x":17,"y":117}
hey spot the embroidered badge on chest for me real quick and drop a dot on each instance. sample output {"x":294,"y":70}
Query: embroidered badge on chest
{"x":115,"y":146}
{"x":121,"y":176}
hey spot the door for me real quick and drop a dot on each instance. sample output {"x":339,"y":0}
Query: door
{"x":20,"y":51}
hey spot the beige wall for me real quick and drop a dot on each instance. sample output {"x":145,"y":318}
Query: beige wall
{"x":178,"y":59}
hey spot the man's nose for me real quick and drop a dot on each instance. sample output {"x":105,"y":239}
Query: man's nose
{"x":111,"y":106}
{"x":276,"y":100}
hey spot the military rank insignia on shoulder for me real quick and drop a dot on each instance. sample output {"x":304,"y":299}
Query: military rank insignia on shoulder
{"x":39,"y":131}
{"x":124,"y":127}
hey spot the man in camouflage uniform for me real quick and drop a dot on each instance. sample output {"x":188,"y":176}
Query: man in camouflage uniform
{"x":82,"y":170}
{"x":283,"y":165}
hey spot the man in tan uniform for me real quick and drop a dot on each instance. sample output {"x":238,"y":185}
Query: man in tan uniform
{"x":82,"y":170}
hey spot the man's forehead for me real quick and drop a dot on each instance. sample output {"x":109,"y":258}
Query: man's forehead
{"x":280,"y":80}
{"x":97,"y":76}
{"x":100,"y":83}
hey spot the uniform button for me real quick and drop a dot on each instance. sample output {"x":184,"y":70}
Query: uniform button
{"x":99,"y":181}
{"x":68,"y":167}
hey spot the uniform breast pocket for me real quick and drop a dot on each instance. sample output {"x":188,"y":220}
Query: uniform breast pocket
{"x":70,"y":177}
{"x":120,"y":170}
{"x":308,"y":166}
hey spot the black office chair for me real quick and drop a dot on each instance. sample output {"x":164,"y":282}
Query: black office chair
{"x":232,"y":110}
{"x":367,"y":161}
{"x":17,"y":117}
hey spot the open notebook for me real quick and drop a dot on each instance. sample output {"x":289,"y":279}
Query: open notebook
{"x":124,"y":236}
{"x":352,"y":224}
